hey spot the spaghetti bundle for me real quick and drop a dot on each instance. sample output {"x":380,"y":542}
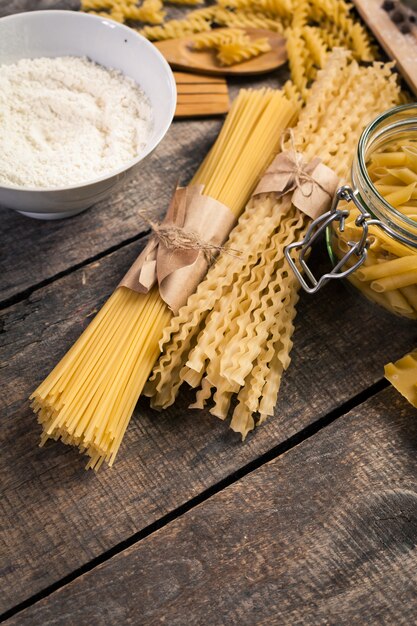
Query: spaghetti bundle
{"x":232,"y":340}
{"x":88,"y":399}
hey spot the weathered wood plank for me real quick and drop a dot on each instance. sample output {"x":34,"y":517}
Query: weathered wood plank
{"x":58,"y":517}
{"x":402,"y":48}
{"x":325,"y":534}
{"x":36,"y":250}
{"x":8,"y":7}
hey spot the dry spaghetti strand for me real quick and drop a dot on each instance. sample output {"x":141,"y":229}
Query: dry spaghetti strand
{"x":232,"y":340}
{"x":88,"y":399}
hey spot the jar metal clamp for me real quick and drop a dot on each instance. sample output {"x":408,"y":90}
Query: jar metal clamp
{"x":397,"y":124}
{"x":358,"y":249}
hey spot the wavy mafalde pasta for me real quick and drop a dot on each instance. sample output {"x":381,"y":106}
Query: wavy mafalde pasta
{"x":88,"y":399}
{"x":403,"y":376}
{"x":389,"y":273}
{"x":232,"y":340}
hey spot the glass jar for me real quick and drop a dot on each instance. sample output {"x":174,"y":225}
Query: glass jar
{"x":364,"y":232}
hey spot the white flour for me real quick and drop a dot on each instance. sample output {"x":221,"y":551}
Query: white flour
{"x":67,"y":120}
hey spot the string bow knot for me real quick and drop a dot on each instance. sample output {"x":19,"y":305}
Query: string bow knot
{"x":309,"y":186}
{"x":181,"y":247}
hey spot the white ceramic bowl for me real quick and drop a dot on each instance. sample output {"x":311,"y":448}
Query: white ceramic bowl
{"x":63,"y":33}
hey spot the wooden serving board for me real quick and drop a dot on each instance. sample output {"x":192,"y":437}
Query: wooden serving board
{"x":401,"y":48}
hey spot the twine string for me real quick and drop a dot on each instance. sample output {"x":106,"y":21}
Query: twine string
{"x":175,"y":237}
{"x":299,"y":172}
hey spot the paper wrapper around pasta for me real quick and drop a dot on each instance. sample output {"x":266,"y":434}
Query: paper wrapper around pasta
{"x":176,"y":270}
{"x":309,"y":186}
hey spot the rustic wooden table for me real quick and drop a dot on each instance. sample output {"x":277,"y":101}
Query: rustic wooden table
{"x":312,"y":521}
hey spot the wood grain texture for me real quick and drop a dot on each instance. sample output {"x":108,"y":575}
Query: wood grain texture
{"x":57,"y":517}
{"x":402,"y":48}
{"x":38,"y":250}
{"x":325,"y":534}
{"x":189,"y":78}
{"x":200,"y":96}
{"x":8,"y":7}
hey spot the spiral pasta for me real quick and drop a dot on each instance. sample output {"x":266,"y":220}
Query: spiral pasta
{"x":97,"y":5}
{"x":299,"y":59}
{"x":312,"y":28}
{"x":150,"y":12}
{"x":239,"y":50}
{"x":247,"y":19}
{"x":175,"y":28}
{"x":232,"y":45}
{"x":214,"y":38}
{"x":190,"y":3}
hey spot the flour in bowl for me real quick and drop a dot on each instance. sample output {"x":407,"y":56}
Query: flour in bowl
{"x":66,"y":120}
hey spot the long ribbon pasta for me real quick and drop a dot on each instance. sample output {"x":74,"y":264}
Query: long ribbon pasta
{"x":232,"y":339}
{"x":88,"y":399}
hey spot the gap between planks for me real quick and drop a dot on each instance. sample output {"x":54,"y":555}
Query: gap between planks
{"x":27,"y":293}
{"x":290,"y":443}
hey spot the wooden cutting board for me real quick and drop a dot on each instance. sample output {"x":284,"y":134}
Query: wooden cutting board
{"x":181,"y":56}
{"x":401,"y":48}
{"x":199,"y":96}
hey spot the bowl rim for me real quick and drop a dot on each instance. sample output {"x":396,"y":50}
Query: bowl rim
{"x":151,"y":146}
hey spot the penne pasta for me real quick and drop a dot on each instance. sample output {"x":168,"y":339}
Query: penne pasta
{"x":388,"y":268}
{"x":410,"y":294}
{"x":390,"y":159}
{"x":389,"y":274}
{"x":404,"y":174}
{"x":396,"y":196}
{"x":396,"y":281}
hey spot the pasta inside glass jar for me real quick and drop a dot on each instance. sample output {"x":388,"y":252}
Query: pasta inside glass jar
{"x":374,"y":242}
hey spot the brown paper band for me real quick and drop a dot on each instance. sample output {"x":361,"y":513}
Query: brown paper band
{"x":176,"y":270}
{"x":310,"y":186}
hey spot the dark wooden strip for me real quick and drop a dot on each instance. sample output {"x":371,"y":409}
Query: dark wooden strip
{"x":57,"y":517}
{"x":201,"y":89}
{"x":191,"y":77}
{"x":8,"y":7}
{"x":201,"y":109}
{"x":400,"y":47}
{"x":325,"y":534}
{"x":34,"y":251}
{"x":197,"y":98}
